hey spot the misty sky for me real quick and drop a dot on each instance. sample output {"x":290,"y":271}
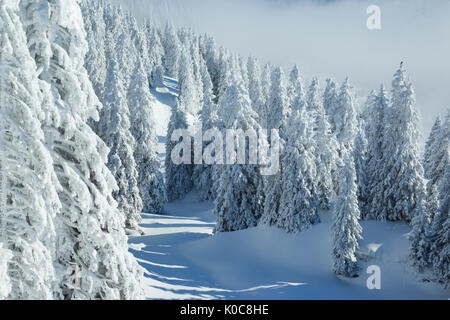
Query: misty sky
{"x":330,"y":39}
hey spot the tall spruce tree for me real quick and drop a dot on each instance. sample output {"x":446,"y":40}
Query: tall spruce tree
{"x":330,"y":98}
{"x":203,"y":176}
{"x":375,"y":115}
{"x":277,"y":115}
{"x":172,"y":51}
{"x":295,"y":85}
{"x":440,"y":250}
{"x":420,"y":237}
{"x":344,"y":118}
{"x":401,"y":177}
{"x":436,"y":160}
{"x":440,"y":246}
{"x":115,"y":129}
{"x":178,"y":176}
{"x":238,"y":203}
{"x":28,"y":185}
{"x":346,"y":230}
{"x":150,"y":179}
{"x":255,"y":89}
{"x":325,"y":146}
{"x":298,"y":203}
{"x":91,"y":248}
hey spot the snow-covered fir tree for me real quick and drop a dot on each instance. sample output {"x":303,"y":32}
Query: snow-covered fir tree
{"x":330,"y":98}
{"x":299,"y":203}
{"x":430,"y":148}
{"x":92,"y":255}
{"x":96,"y":60}
{"x":211,"y":57}
{"x":360,"y":157}
{"x":225,"y":67}
{"x":203,"y":176}
{"x":278,"y":104}
{"x":190,"y":89}
{"x":295,"y":85}
{"x":115,"y":129}
{"x":327,"y":160}
{"x":156,"y":49}
{"x":440,"y":228}
{"x":276,"y":118}
{"x":265,"y":91}
{"x":420,"y":237}
{"x":141,"y":47}
{"x":344,"y":118}
{"x":238,"y":201}
{"x":440,"y":247}
{"x":325,"y":146}
{"x":150,"y":179}
{"x":255,"y":89}
{"x":28,"y":185}
{"x":244,"y":71}
{"x":401,"y":184}
{"x":375,"y":116}
{"x":436,"y":160}
{"x":172,"y":51}
{"x":155,"y":54}
{"x":178,"y":176}
{"x":346,"y":230}
{"x":197,"y":61}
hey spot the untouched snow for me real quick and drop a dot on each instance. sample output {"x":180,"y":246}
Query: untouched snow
{"x":184,"y":260}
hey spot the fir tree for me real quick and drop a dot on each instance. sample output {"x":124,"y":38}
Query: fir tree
{"x":295,"y":86}
{"x":91,"y":248}
{"x":375,"y":115}
{"x":360,"y":157}
{"x":178,"y":176}
{"x":298,"y":204}
{"x":401,"y":184}
{"x":277,"y":112}
{"x":436,"y":161}
{"x":172,"y":51}
{"x":440,"y":246}
{"x":330,"y":99}
{"x":278,"y":107}
{"x":346,"y":230}
{"x":189,"y":89}
{"x":255,"y":89}
{"x":204,"y":174}
{"x":115,"y":129}
{"x":150,"y":179}
{"x":28,"y":185}
{"x":440,"y":251}
{"x":265,"y":91}
{"x":419,"y":237}
{"x":344,"y":118}
{"x":430,"y":148}
{"x":238,"y":205}
{"x":325,"y":146}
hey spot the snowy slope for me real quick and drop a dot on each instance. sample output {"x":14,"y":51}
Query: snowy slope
{"x":184,"y":260}
{"x":162,"y":110}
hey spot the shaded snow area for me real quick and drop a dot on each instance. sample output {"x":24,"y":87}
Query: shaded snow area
{"x":183,"y":259}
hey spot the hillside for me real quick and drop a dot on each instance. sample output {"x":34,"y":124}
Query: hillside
{"x":183,"y":259}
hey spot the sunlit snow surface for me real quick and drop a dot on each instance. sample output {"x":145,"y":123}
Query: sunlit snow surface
{"x":184,"y":260}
